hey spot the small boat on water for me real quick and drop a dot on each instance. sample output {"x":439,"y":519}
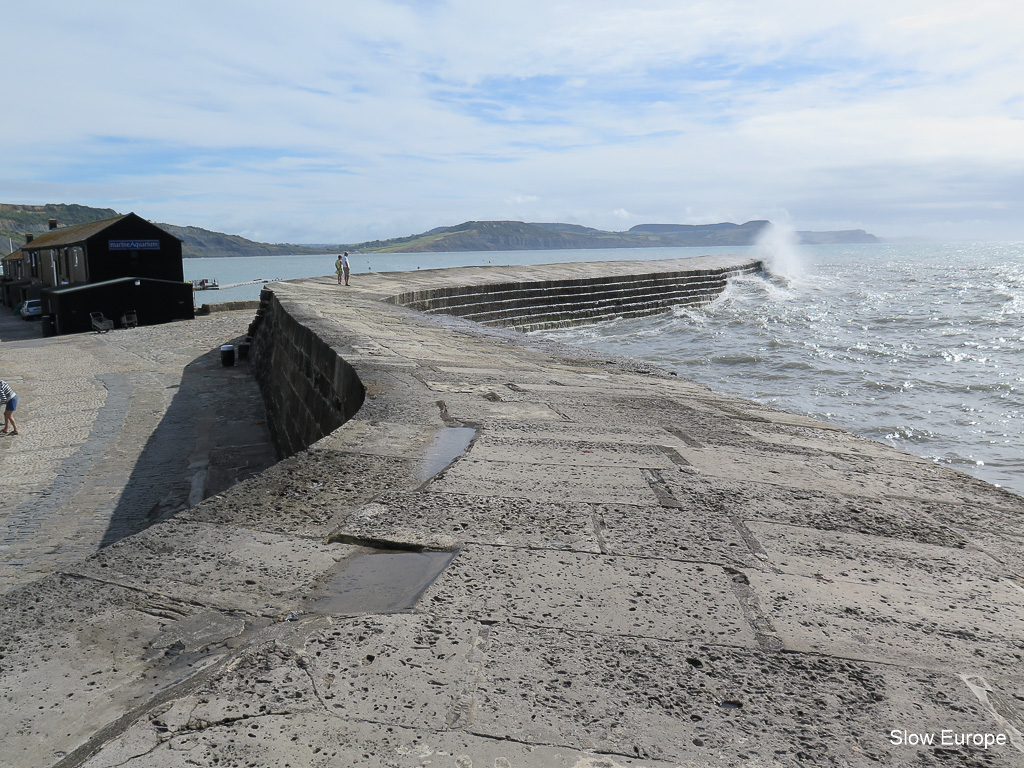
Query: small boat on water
{"x":206,"y":284}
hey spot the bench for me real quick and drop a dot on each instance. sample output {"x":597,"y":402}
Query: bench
{"x":100,"y":323}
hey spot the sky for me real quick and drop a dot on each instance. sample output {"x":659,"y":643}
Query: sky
{"x":318,"y":122}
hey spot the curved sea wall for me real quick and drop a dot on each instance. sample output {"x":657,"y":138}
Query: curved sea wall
{"x":310,"y":390}
{"x":536,"y":304}
{"x":514,"y":554}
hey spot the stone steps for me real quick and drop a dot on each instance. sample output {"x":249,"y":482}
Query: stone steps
{"x":549,"y":303}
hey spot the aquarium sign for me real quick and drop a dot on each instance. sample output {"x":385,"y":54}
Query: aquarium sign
{"x":134,"y":245}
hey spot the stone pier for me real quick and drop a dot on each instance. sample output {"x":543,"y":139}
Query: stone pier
{"x":487,"y":550}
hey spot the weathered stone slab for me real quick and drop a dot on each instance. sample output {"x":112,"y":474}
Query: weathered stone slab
{"x":812,"y":507}
{"x":949,"y":573}
{"x":1006,"y":550}
{"x":465,"y":387}
{"x":566,"y":430}
{"x":894,"y":625}
{"x":425,"y":351}
{"x":377,"y":691}
{"x":655,"y":531}
{"x":615,"y":484}
{"x":680,"y":702}
{"x":309,"y":494}
{"x":477,"y":409}
{"x":790,"y":419}
{"x":229,"y":568}
{"x":1001,"y":514}
{"x":843,"y":475}
{"x":592,"y":593}
{"x":445,"y":520}
{"x":624,"y":410}
{"x":1001,"y":696}
{"x":311,"y":739}
{"x":416,"y":405}
{"x":380,"y":438}
{"x":78,"y":654}
{"x":401,"y":669}
{"x":575,"y":453}
{"x":483,"y":370}
{"x":669,"y":417}
{"x":566,"y":388}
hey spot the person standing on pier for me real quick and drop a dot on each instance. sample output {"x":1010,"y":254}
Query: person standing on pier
{"x":345,"y":266}
{"x":10,"y":397}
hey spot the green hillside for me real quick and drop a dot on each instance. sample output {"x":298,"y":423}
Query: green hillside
{"x":16,"y":220}
{"x":497,"y":236}
{"x":202,"y":243}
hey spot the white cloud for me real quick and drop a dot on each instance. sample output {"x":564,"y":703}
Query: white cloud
{"x":320,"y":122}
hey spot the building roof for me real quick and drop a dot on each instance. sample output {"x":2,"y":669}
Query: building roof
{"x":76,"y":234}
{"x":13,"y":256}
{"x":71,"y":235}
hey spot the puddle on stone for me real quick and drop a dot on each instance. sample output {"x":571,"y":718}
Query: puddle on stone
{"x":380,"y":581}
{"x":449,"y":443}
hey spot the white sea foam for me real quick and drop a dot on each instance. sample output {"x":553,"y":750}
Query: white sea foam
{"x":916,"y":345}
{"x":777,"y":246}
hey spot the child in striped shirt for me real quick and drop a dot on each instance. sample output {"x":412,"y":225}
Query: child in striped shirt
{"x":9,"y":396}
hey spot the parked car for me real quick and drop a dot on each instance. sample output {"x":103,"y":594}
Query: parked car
{"x":31,"y":308}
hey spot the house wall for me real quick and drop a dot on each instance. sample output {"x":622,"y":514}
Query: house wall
{"x":152,"y":301}
{"x":61,"y":265}
{"x":13,"y":268}
{"x":159,"y":256}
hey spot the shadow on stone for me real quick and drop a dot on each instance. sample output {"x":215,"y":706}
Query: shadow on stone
{"x":212,"y":435}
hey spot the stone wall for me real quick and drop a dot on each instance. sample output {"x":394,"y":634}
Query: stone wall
{"x":533,"y":305}
{"x":308,"y":388}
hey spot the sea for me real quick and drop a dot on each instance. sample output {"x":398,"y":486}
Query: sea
{"x":918,"y":345}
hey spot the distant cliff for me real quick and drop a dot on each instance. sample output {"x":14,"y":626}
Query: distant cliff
{"x":202,"y":243}
{"x":16,"y":220}
{"x":518,"y":235}
{"x":841,"y":237}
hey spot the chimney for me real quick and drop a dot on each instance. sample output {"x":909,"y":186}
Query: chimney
{"x":29,"y":237}
{"x":53,"y":223}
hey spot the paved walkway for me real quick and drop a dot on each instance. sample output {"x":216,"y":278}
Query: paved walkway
{"x":117,"y":431}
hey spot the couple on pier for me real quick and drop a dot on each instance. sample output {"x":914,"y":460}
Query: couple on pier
{"x":342,"y":268}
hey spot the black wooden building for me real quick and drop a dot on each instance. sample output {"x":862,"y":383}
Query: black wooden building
{"x":123,"y":246}
{"x":145,"y":300}
{"x":101,"y":266}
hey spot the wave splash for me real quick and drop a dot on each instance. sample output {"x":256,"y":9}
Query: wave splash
{"x":777,"y":247}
